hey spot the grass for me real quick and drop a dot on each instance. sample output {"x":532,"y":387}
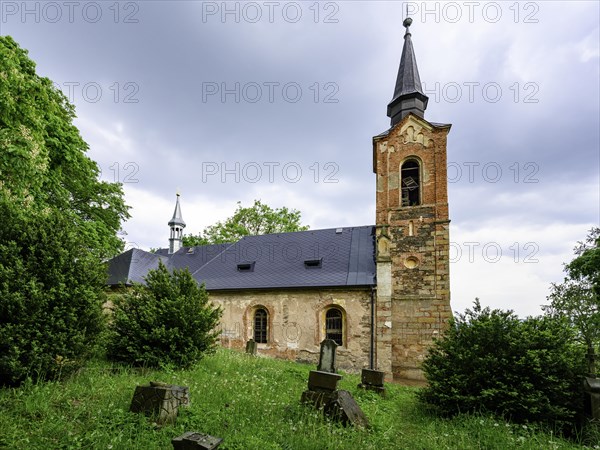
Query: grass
{"x":253,"y":403}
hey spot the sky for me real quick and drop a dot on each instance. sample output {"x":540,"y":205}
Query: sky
{"x":279,"y":101}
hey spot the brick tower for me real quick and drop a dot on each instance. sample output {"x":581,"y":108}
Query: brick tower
{"x":412,"y":227}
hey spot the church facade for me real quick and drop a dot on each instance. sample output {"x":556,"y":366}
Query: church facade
{"x":382,"y":292}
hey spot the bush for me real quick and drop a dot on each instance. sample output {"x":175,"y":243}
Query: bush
{"x":50,"y":296}
{"x":491,"y":361}
{"x":170,"y":321}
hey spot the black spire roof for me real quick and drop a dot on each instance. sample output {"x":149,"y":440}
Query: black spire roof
{"x":408,"y":93}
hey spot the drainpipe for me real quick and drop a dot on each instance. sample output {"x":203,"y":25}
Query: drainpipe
{"x":372,"y":350}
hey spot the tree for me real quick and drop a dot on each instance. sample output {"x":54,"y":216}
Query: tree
{"x":168,"y":321}
{"x":251,"y":221}
{"x":587,"y":263}
{"x":577,"y":298}
{"x":58,"y":222}
{"x":43,"y":161}
{"x":50,"y":296}
{"x":492,"y":361}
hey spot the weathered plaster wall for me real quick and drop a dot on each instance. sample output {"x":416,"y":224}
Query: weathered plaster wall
{"x":297,"y":322}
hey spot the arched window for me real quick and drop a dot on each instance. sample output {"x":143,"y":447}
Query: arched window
{"x":411,"y":183}
{"x":261,"y":323}
{"x":334,"y":325}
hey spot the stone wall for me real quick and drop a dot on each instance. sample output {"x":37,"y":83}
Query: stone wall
{"x":413,"y":307}
{"x":296,"y":320}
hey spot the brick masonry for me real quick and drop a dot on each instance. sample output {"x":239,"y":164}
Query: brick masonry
{"x":413,"y":283}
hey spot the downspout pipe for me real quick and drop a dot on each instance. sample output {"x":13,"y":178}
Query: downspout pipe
{"x":372,"y":349}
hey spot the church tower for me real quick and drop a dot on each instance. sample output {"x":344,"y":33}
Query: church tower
{"x":412,"y":226}
{"x":177,"y":225}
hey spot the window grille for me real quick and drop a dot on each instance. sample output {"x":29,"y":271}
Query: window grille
{"x":334,"y":326}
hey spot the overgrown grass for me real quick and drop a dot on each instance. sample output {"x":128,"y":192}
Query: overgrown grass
{"x":253,"y":403}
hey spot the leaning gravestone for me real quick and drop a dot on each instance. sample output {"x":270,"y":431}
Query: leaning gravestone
{"x":327,"y":356}
{"x":160,"y":400}
{"x":251,"y":347}
{"x":322,"y":394}
{"x":345,"y":409}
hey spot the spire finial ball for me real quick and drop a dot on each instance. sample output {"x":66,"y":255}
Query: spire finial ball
{"x":407,"y":22}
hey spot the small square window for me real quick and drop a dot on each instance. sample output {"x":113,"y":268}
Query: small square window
{"x":246,"y":267}
{"x":313,"y":263}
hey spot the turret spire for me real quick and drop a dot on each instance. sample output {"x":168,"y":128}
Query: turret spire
{"x":177,"y":225}
{"x":408,"y":93}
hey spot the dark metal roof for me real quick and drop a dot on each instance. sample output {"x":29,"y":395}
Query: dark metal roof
{"x":408,"y":80}
{"x":132,"y":266}
{"x":347,"y":258}
{"x":194,"y":257}
{"x":408,"y":92}
{"x":162,"y":252}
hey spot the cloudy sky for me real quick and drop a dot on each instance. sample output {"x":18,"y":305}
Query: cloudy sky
{"x":279,"y":101}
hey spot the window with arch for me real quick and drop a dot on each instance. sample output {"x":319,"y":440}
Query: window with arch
{"x":261,"y":325}
{"x":411,"y":183}
{"x":334,"y":325}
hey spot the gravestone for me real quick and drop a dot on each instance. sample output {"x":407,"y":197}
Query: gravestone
{"x":195,"y":441}
{"x":591,"y":387}
{"x":345,"y":409}
{"x":327,"y":356}
{"x":321,"y":387}
{"x":251,"y":347}
{"x":323,"y":394}
{"x":160,"y":400}
{"x":372,"y":380}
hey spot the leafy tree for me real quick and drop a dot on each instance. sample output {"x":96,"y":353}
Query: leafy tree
{"x":43,"y":161}
{"x":587,"y":263}
{"x":577,"y":298}
{"x":491,"y":361}
{"x":57,"y":223}
{"x":168,"y":321}
{"x":50,"y":296}
{"x":251,"y":221}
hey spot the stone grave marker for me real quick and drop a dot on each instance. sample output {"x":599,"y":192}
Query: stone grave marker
{"x":321,"y":387}
{"x":251,"y":347}
{"x":345,"y":409}
{"x":323,"y":394}
{"x":327,"y":356}
{"x":195,"y":441}
{"x":372,"y":380}
{"x":160,"y":400}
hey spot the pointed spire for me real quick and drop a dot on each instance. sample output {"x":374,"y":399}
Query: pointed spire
{"x":177,"y":225}
{"x":408,"y":93}
{"x":177,"y":218}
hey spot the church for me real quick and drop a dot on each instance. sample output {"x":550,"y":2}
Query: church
{"x":382,"y":292}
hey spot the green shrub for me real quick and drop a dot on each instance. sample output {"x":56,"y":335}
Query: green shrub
{"x":169,"y":321}
{"x":491,"y":361}
{"x":50,"y":296}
